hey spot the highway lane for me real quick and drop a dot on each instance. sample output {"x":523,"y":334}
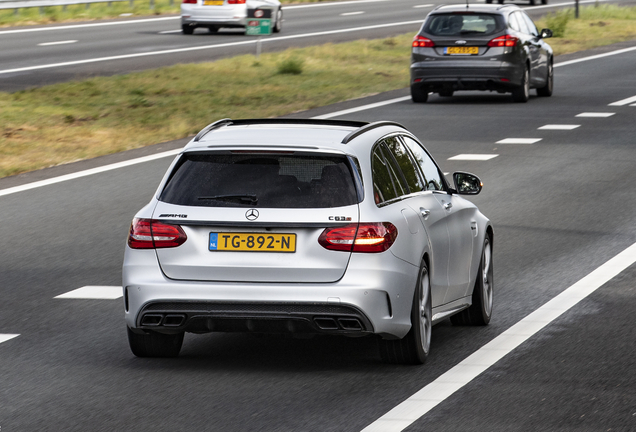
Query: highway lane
{"x":561,"y":208}
{"x":114,"y":47}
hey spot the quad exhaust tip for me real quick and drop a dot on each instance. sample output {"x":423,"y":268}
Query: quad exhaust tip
{"x":335,"y":324}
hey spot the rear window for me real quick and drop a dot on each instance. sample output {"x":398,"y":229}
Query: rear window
{"x":463,"y":24}
{"x":261,"y":180}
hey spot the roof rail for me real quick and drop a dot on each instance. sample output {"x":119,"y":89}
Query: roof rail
{"x":278,"y":121}
{"x":367,"y":128}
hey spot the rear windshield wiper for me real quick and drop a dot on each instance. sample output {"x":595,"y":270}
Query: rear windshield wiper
{"x":242,"y":198}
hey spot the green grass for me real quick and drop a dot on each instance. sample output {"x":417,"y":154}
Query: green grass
{"x":56,"y":14}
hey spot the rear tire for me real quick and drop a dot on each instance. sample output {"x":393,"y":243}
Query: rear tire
{"x":500,"y":1}
{"x":415,"y":346}
{"x":155,"y":344}
{"x":419,"y":94}
{"x":522,"y":93}
{"x":480,"y":312}
{"x":532,"y":2}
{"x":279,"y":21}
{"x":546,"y":90}
{"x":186,"y":29}
{"x":489,"y":1}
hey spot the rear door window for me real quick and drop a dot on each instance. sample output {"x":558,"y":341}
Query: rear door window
{"x":261,"y":180}
{"x":405,"y":162}
{"x":462,"y":24}
{"x":387,"y":184}
{"x":432,"y":176}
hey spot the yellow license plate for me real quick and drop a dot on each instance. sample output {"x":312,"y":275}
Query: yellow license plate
{"x":213,"y":2}
{"x":462,"y":50}
{"x":251,"y":242}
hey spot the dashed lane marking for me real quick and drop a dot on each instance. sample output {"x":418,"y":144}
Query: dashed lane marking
{"x":423,"y":401}
{"x":559,"y":127}
{"x":6,"y":337}
{"x":474,"y":157}
{"x":94,"y":292}
{"x":519,"y":141}
{"x":352,"y":13}
{"x":363,"y":108}
{"x":596,"y":114}
{"x":423,"y":6}
{"x":624,"y":101}
{"x":57,"y":43}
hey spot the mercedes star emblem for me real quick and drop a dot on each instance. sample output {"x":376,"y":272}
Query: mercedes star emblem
{"x":252,"y":214}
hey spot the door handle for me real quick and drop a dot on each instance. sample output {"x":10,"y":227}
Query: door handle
{"x":425,"y":212}
{"x":448,"y":206}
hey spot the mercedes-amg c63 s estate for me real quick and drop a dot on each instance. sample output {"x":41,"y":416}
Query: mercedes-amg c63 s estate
{"x":307,"y":227}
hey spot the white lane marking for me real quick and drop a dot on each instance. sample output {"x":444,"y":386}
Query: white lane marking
{"x":624,"y":101}
{"x":594,"y":57}
{"x":6,"y":337}
{"x":94,"y":292}
{"x":595,"y":114}
{"x":206,"y":47}
{"x":423,"y":6}
{"x":470,"y":368}
{"x":352,"y":13}
{"x":474,"y":157}
{"x":170,"y":31}
{"x":57,"y":43}
{"x":75,"y":26}
{"x":633,"y":105}
{"x":559,"y":127}
{"x":332,"y":4}
{"x":519,"y":141}
{"x":88,"y":172}
{"x":362,"y":108}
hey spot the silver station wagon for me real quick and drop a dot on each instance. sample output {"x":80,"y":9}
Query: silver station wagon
{"x":307,"y":227}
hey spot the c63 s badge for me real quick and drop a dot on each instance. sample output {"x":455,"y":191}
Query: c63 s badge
{"x":340,"y":218}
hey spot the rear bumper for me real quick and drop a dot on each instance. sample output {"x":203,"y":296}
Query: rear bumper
{"x":487,"y":75}
{"x":362,"y":302}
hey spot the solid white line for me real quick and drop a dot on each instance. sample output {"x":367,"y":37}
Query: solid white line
{"x":101,"y":24}
{"x":206,"y":47}
{"x":474,"y":157}
{"x":519,"y":141}
{"x":443,"y":387}
{"x":352,"y":13}
{"x":88,"y":172}
{"x":558,"y":127}
{"x":594,"y":57}
{"x":304,"y":6}
{"x":595,"y":114}
{"x":423,"y":6}
{"x":362,"y":108}
{"x":6,"y":337}
{"x":624,"y":101}
{"x":57,"y":43}
{"x":94,"y":292}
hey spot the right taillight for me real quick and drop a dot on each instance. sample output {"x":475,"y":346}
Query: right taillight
{"x":189,"y":1}
{"x":235,"y":1}
{"x":422,"y":42}
{"x":504,"y":41}
{"x":364,"y":237}
{"x":151,"y":234}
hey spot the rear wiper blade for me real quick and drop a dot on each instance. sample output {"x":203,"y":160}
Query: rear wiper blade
{"x":245,"y":198}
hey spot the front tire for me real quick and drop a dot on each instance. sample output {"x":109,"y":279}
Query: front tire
{"x":546,"y":90}
{"x":480,"y":312}
{"x":522,"y":93}
{"x":419,"y":94}
{"x":415,"y":346}
{"x":154,"y":344}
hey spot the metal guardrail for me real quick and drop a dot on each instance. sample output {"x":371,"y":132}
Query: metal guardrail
{"x":10,"y":4}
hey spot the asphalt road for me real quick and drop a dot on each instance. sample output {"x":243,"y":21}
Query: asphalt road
{"x":561,"y":207}
{"x":35,"y":56}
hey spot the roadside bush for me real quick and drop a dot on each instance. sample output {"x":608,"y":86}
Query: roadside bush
{"x":558,"y":21}
{"x":291,"y":66}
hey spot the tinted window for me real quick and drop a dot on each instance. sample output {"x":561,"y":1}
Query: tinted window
{"x":532,"y":29}
{"x":406,"y":163}
{"x":261,"y":180}
{"x":514,"y":24}
{"x":433,"y":177}
{"x":461,"y":25}
{"x":386,"y":185}
{"x":523,"y":27}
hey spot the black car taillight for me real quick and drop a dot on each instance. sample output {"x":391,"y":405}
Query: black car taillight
{"x":422,"y":42}
{"x":504,"y":41}
{"x":364,"y":237}
{"x":153,"y":234}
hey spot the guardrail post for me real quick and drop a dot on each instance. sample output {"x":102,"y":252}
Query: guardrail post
{"x":41,"y":10}
{"x":88,"y":5}
{"x":152,"y":4}
{"x":131,"y":3}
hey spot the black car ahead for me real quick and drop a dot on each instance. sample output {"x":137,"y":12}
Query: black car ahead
{"x":480,"y":47}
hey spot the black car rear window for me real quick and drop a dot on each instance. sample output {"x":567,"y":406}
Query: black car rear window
{"x":261,"y":180}
{"x":463,"y":24}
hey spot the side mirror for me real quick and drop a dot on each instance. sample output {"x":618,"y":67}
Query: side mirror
{"x":466,"y":183}
{"x":546,"y":33}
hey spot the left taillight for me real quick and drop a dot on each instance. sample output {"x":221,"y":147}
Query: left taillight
{"x":153,"y":234}
{"x":189,"y":1}
{"x":422,"y":42}
{"x":235,"y":1}
{"x":364,"y":237}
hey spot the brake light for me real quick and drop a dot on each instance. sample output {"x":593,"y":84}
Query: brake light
{"x":189,"y":1}
{"x":364,"y":237}
{"x":151,"y":234}
{"x":235,"y":1}
{"x":504,"y":41}
{"x":422,"y":42}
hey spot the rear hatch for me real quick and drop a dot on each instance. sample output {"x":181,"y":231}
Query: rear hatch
{"x":257,"y":216}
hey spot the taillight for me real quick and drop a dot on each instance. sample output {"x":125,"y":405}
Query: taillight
{"x":421,"y":42}
{"x":363,"y":237}
{"x":189,"y":1}
{"x":504,"y":41}
{"x":151,"y":234}
{"x":235,"y":1}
